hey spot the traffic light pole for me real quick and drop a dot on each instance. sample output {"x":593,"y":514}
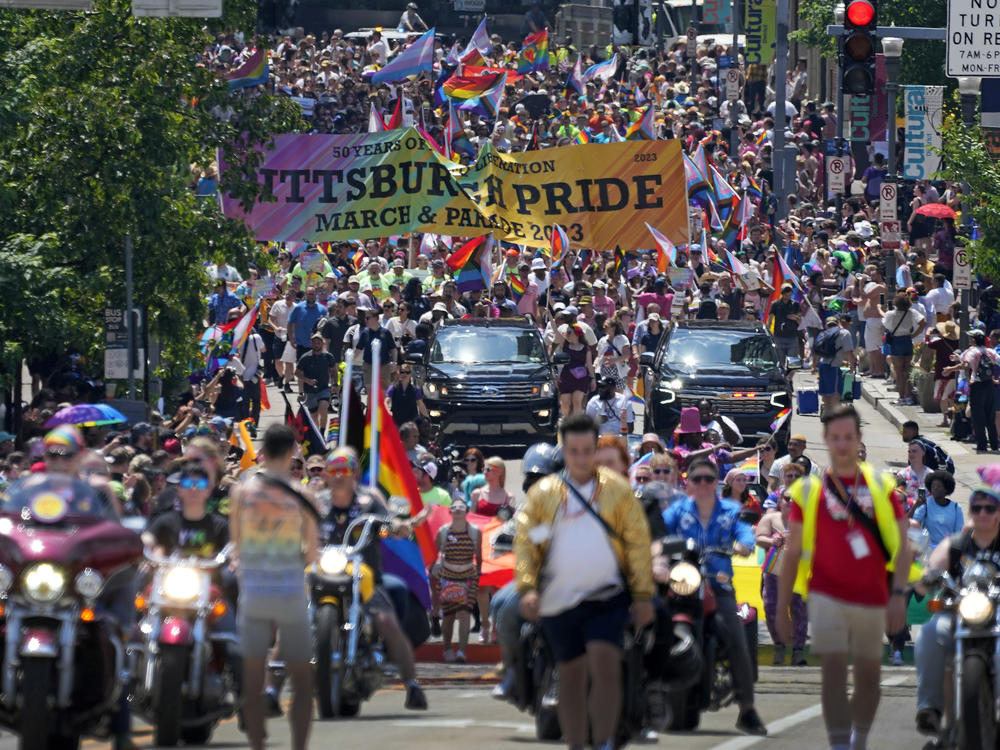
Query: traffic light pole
{"x":778,"y":155}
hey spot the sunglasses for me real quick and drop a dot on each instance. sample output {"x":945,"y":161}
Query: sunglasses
{"x":406,"y":372}
{"x":316,"y":470}
{"x":470,"y":460}
{"x":663,"y":472}
{"x":987,"y":509}
{"x":190,"y":483}
{"x":701,"y":479}
{"x":643,"y":479}
{"x":459,"y":509}
{"x":339,"y":471}
{"x":59,"y":454}
{"x":767,"y":448}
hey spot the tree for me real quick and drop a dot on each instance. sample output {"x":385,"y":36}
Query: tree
{"x":965,"y":159}
{"x":101,"y":117}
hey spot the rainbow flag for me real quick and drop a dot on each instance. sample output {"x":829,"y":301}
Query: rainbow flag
{"x":534,"y":54}
{"x":471,"y":264}
{"x":488,"y":103}
{"x":620,"y":261}
{"x":416,"y":59}
{"x":559,"y":246}
{"x":465,"y":87}
{"x":782,"y":274}
{"x":770,"y":559}
{"x":254,"y":72}
{"x":356,"y":259}
{"x":643,"y":129}
{"x":780,"y":419}
{"x":517,"y":287}
{"x":666,"y":253}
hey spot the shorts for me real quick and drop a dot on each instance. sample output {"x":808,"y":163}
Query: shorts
{"x":257,"y":619}
{"x":569,"y":632}
{"x":839,"y":627}
{"x":288,"y":354}
{"x":873,"y":335}
{"x":312,"y":399}
{"x":831,"y":380}
{"x":901,"y":346}
{"x":944,"y":389}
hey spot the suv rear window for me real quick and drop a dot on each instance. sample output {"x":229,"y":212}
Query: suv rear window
{"x":696,"y":347}
{"x":474,"y":345}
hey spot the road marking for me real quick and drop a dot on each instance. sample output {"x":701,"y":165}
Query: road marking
{"x":800,"y":717}
{"x":516,"y":726}
{"x":897,"y":680}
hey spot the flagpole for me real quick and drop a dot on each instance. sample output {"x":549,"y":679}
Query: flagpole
{"x":345,"y":396}
{"x":374,"y":394}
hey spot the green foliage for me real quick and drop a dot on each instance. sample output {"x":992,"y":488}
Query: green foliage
{"x":101,"y":117}
{"x":966,"y":159}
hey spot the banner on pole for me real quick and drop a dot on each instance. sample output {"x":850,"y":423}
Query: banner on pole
{"x":602,"y":194}
{"x":717,"y":13}
{"x":923,"y":131}
{"x":761,"y":31}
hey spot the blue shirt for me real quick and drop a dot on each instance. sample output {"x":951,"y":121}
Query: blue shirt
{"x":941,"y":521}
{"x":305,"y":319}
{"x":219,"y":306}
{"x":724,"y":528}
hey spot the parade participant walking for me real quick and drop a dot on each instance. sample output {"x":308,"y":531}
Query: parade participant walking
{"x":272,"y":524}
{"x":577,"y":377}
{"x":831,"y":350}
{"x":610,"y":409}
{"x":583,"y":549}
{"x":770,"y":534}
{"x":315,"y":371}
{"x":845,"y":531}
{"x":303,"y":319}
{"x":458,"y":567}
{"x":712,"y":521}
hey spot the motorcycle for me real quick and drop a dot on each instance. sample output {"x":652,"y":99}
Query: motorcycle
{"x":350,"y":655}
{"x":697,"y":676}
{"x":184,"y":679}
{"x":63,"y":560}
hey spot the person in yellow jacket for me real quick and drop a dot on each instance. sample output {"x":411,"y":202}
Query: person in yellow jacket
{"x":846,"y":554}
{"x":583,"y":553}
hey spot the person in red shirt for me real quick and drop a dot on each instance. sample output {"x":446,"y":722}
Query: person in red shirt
{"x":849,"y":599}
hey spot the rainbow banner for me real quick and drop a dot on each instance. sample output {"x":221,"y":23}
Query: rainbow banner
{"x":340,"y":187}
{"x":416,"y":59}
{"x":465,"y":87}
{"x":534,"y":54}
{"x":254,"y":72}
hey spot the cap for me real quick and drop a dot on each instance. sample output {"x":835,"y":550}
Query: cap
{"x":429,"y":468}
{"x":654,"y":316}
{"x":315,"y":460}
{"x":586,"y":299}
{"x":331,"y":275}
{"x":831,"y":321}
{"x":316,"y":335}
{"x":437,"y":263}
{"x":353,"y":280}
{"x":571,"y":310}
{"x":600,"y":285}
{"x":398,"y":263}
{"x":5,"y":436}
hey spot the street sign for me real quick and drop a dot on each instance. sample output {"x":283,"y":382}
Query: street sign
{"x":961,"y":272}
{"x":177,"y":8}
{"x":725,"y":61}
{"x":890,"y":235}
{"x":887,"y":208}
{"x":732,"y":84}
{"x":692,"y":42}
{"x":116,"y":344}
{"x":973,"y":45}
{"x":836,"y":172}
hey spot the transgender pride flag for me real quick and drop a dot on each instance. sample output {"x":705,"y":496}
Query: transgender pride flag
{"x":416,"y":59}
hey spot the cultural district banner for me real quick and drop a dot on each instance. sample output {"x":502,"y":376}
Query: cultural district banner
{"x":344,"y":187}
{"x":602,"y":194}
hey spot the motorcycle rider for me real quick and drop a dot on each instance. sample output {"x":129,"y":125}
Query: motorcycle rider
{"x":540,"y":460}
{"x":713,"y":521}
{"x":935,"y":646}
{"x":584,"y":532}
{"x":348,"y":501}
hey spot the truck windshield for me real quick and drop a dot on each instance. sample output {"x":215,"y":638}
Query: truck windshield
{"x":691,"y":348}
{"x":480,"y":345}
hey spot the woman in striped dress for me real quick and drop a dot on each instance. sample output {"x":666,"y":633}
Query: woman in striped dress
{"x":459,"y":565}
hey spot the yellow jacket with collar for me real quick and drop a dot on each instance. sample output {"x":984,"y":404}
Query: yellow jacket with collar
{"x":616,"y":504}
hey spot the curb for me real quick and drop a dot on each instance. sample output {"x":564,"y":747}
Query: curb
{"x":883,"y":405}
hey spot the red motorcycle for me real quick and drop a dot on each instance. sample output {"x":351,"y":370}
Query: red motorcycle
{"x":67,"y":566}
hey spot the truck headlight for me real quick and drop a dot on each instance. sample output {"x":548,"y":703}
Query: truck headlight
{"x":431,"y":388}
{"x":44,"y":582}
{"x":547,"y":389}
{"x":675,"y":384}
{"x":181,"y":584}
{"x":975,"y":608}
{"x":332,"y":562}
{"x":778,"y":399}
{"x":685,"y":579}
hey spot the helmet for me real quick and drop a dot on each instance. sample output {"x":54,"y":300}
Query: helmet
{"x":540,"y":460}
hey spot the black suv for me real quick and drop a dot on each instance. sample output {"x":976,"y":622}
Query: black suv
{"x":732,"y":363}
{"x":489,"y":382}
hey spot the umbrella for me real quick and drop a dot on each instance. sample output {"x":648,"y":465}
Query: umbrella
{"x":86,"y":415}
{"x":936,"y":210}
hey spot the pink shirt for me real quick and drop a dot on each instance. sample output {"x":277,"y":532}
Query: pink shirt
{"x":526,"y":305}
{"x":605,"y":305}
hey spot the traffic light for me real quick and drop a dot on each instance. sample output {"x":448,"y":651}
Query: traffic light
{"x":857,"y":58}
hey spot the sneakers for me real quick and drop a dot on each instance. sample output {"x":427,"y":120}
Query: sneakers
{"x":449,"y":656}
{"x":929,"y":721}
{"x":504,"y":691}
{"x":897,"y":659}
{"x":799,"y":658}
{"x":415,"y":698}
{"x":460,"y":657}
{"x":779,"y":654}
{"x":749,"y":723}
{"x":272,"y":705}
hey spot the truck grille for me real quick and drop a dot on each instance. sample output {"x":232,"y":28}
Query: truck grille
{"x":756,"y":405}
{"x":491,"y":392}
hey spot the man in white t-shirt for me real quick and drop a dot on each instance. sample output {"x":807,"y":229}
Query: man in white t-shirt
{"x":607,"y":408}
{"x":938,"y":301}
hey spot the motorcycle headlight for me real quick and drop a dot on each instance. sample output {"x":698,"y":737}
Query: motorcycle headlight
{"x":88,"y":583}
{"x":975,"y":608}
{"x":6,"y":579}
{"x":181,"y":584}
{"x":44,"y":582}
{"x":547,"y":388}
{"x":684,"y":579}
{"x":333,"y":562}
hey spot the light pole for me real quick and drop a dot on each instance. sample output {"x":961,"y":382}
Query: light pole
{"x":968,"y":91}
{"x":838,"y":20}
{"x":892,"y":48}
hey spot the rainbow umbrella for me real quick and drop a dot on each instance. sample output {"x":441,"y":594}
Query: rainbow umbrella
{"x":86,"y":415}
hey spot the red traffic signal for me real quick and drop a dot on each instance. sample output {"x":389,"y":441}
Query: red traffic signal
{"x":860,"y":13}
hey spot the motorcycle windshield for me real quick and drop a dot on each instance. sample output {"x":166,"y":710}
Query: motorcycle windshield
{"x":47,"y":499}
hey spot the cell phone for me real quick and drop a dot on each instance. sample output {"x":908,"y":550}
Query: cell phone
{"x":881,"y":300}
{"x":922,"y":494}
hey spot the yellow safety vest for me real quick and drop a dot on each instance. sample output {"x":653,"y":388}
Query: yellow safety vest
{"x":806,"y":493}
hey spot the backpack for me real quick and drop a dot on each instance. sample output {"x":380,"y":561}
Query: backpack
{"x":984,"y":368}
{"x":825,"y":345}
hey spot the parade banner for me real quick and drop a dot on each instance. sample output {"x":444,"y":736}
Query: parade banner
{"x":343,"y":187}
{"x":602,"y":194}
{"x":761,"y":27}
{"x":717,"y":13}
{"x":923,"y":131}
